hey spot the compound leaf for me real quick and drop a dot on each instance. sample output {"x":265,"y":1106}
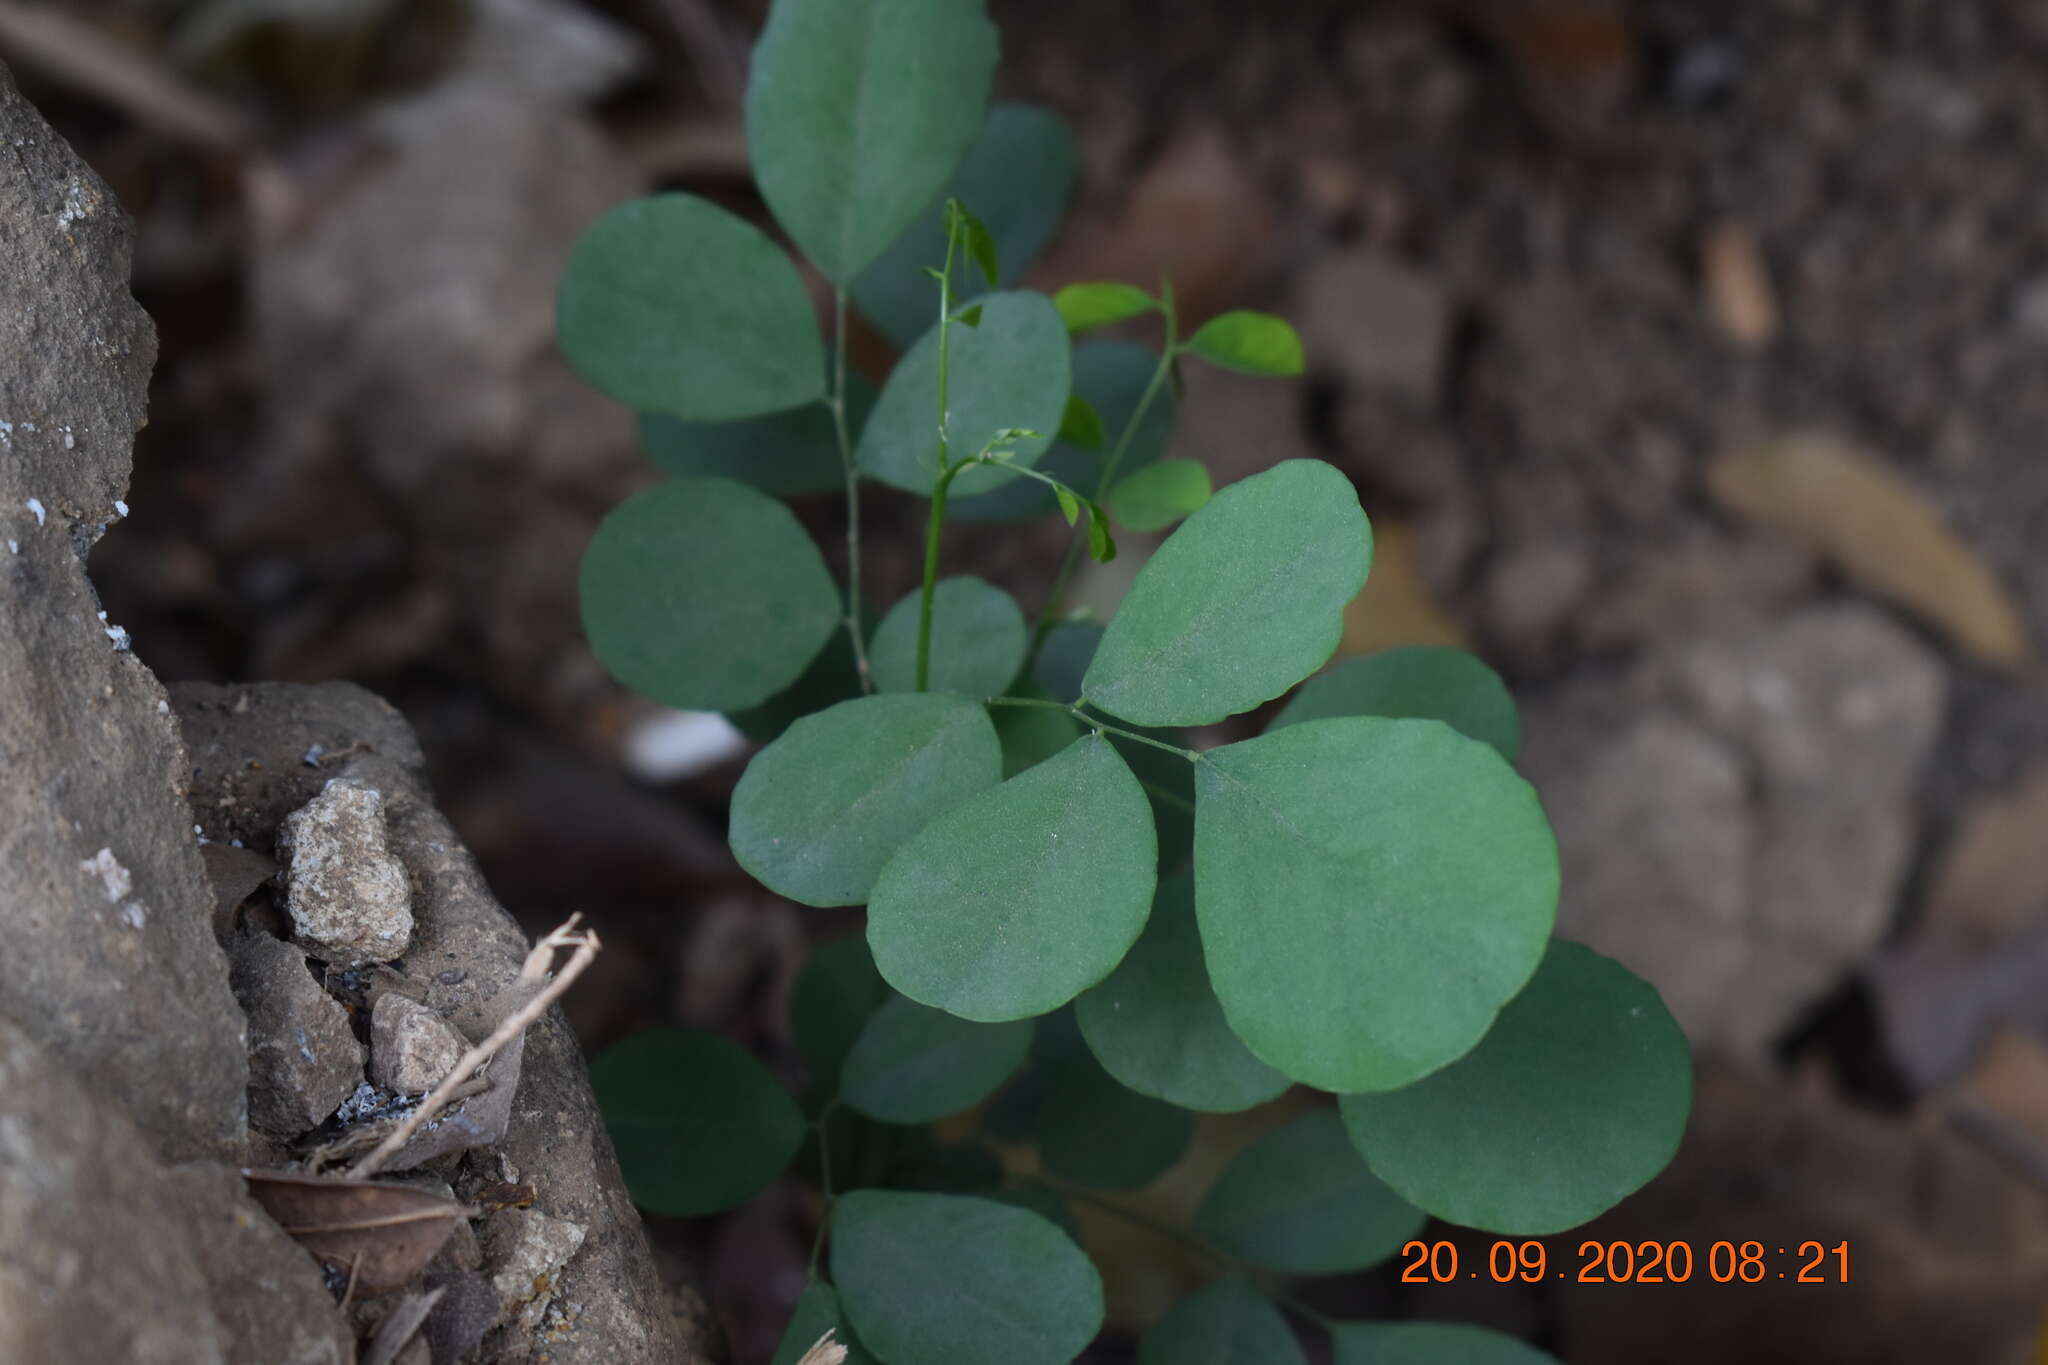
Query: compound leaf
{"x":915,"y":1064}
{"x":941,"y":1277}
{"x":1157,"y":496}
{"x":977,"y":642}
{"x":1370,"y":892}
{"x":1242,"y":602}
{"x":1254,"y":343}
{"x":705,"y":595}
{"x":1301,"y":1200}
{"x":834,"y":994}
{"x":1019,"y":899}
{"x":1429,"y":1343}
{"x":698,"y":1123}
{"x":1419,"y":682}
{"x":858,"y":111}
{"x":1573,"y":1101}
{"x":785,"y":454}
{"x":819,"y":811}
{"x":1083,"y":306}
{"x":1229,"y":1322}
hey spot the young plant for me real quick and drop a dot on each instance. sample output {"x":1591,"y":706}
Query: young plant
{"x":1071,"y":912}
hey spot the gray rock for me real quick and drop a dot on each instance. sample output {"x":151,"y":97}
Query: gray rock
{"x":303,"y":1058}
{"x":1376,"y":322}
{"x":110,"y":959}
{"x":346,"y":893}
{"x":1531,"y":590}
{"x":411,"y":1048}
{"x":524,"y":1250}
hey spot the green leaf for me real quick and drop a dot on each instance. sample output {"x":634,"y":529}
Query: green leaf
{"x":937,"y":1277}
{"x":819,"y":811}
{"x":1012,"y":371}
{"x":1018,"y":175}
{"x":1042,"y":1200}
{"x":1156,"y":497}
{"x":1020,"y":898}
{"x":698,"y":1123}
{"x":834,"y":994}
{"x":977,"y":643}
{"x":1155,"y":1023}
{"x":1091,"y":1130}
{"x":817,"y":1312}
{"x":1370,"y":892}
{"x":1083,"y":306}
{"x":1101,"y":548}
{"x":705,"y":595}
{"x":1031,"y":734}
{"x":671,"y":304}
{"x":1070,"y":506}
{"x":1227,"y":1323}
{"x":1574,"y":1100}
{"x":1242,"y":602}
{"x":1429,"y":1343}
{"x":970,"y":316}
{"x":1418,"y":682}
{"x":981,"y":248}
{"x":858,"y":111}
{"x":785,"y":454}
{"x":915,"y":1064}
{"x":1255,"y":343}
{"x":1301,"y":1200}
{"x":1082,"y":426}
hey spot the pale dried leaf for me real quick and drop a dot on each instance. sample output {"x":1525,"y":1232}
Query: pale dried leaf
{"x":824,"y":1351}
{"x":1737,"y":282}
{"x":394,"y":1229}
{"x":1880,"y":530}
{"x":1994,"y":875}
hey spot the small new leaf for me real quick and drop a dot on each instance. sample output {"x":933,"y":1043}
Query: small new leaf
{"x":981,"y":246}
{"x":1160,"y":494}
{"x":1082,"y":424}
{"x":1101,"y":548}
{"x":1070,"y":506}
{"x":1083,"y":306}
{"x":1254,"y":343}
{"x":970,"y":316}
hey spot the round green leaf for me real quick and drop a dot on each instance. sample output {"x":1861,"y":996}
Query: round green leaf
{"x":977,"y":643}
{"x":1090,"y":1129}
{"x":1300,"y":1199}
{"x":1016,"y":179}
{"x":784,"y":454}
{"x":1022,"y":897}
{"x":705,"y":595}
{"x":1083,"y":306}
{"x":1242,"y":602}
{"x":915,"y":1064}
{"x":1156,"y":497}
{"x":1255,"y":343}
{"x":1419,"y":682}
{"x":939,"y":1277}
{"x":671,"y":304}
{"x":817,"y":1312}
{"x":1014,"y":370}
{"x":1429,"y":1343}
{"x":1574,"y":1100}
{"x":834,"y":995}
{"x":698,"y":1123}
{"x":858,"y":111}
{"x":1227,"y":1323}
{"x":818,"y":812}
{"x":1370,"y":893}
{"x":1155,"y":1023}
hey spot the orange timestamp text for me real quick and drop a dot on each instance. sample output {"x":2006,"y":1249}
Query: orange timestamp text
{"x":1597,"y":1262}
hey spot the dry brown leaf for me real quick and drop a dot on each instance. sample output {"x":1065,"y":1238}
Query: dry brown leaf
{"x":1396,"y":607}
{"x":394,"y":1229}
{"x":1880,"y":530}
{"x":1739,"y":297}
{"x":2011,"y":1080}
{"x":1994,"y":875}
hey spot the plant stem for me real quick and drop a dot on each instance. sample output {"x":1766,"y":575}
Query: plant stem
{"x":945,"y":475}
{"x":837,"y":402}
{"x":1095,"y":723}
{"x":821,"y":1125}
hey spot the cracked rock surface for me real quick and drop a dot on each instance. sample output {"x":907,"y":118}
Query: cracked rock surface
{"x":347,"y":895}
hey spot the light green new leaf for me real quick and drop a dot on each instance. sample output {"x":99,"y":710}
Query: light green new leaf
{"x":1014,"y":370}
{"x":915,"y":1064}
{"x":698,"y":1123}
{"x":1227,"y":1323}
{"x":1242,"y":602}
{"x":817,"y":1312}
{"x":1083,"y":306}
{"x":1082,"y":425}
{"x":1020,"y":898}
{"x":981,"y":249}
{"x":1574,"y":1100}
{"x":819,"y":811}
{"x":1429,"y":1343}
{"x":1301,"y":1200}
{"x":1157,"y":496}
{"x":1418,"y":682}
{"x":1254,"y":343}
{"x":857,"y":113}
{"x":1370,"y":892}
{"x":1155,"y":1023}
{"x":1101,"y":546}
{"x":834,"y":994}
{"x":940,"y":1277}
{"x":785,"y":454}
{"x":977,"y":643}
{"x":705,"y":595}
{"x":671,"y":304}
{"x":1092,"y":1131}
{"x":1017,"y":178}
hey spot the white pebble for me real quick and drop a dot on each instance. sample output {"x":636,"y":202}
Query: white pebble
{"x":120,"y":508}
{"x":35,"y":505}
{"x":113,"y":877}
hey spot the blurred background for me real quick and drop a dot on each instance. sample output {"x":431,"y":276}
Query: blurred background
{"x":1691,"y":360}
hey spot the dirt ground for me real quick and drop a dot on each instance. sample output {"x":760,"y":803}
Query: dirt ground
{"x":1691,"y":361}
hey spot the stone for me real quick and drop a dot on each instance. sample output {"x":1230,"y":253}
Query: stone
{"x":1532,"y":590}
{"x":304,"y":1059}
{"x":111,"y":962}
{"x":524,"y":1251}
{"x":1375,"y":322}
{"x":411,"y":1048}
{"x":346,"y":893}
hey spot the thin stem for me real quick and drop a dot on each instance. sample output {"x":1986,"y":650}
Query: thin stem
{"x":1095,"y":723}
{"x":823,"y":1125}
{"x":837,"y":402}
{"x":944,"y":477}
